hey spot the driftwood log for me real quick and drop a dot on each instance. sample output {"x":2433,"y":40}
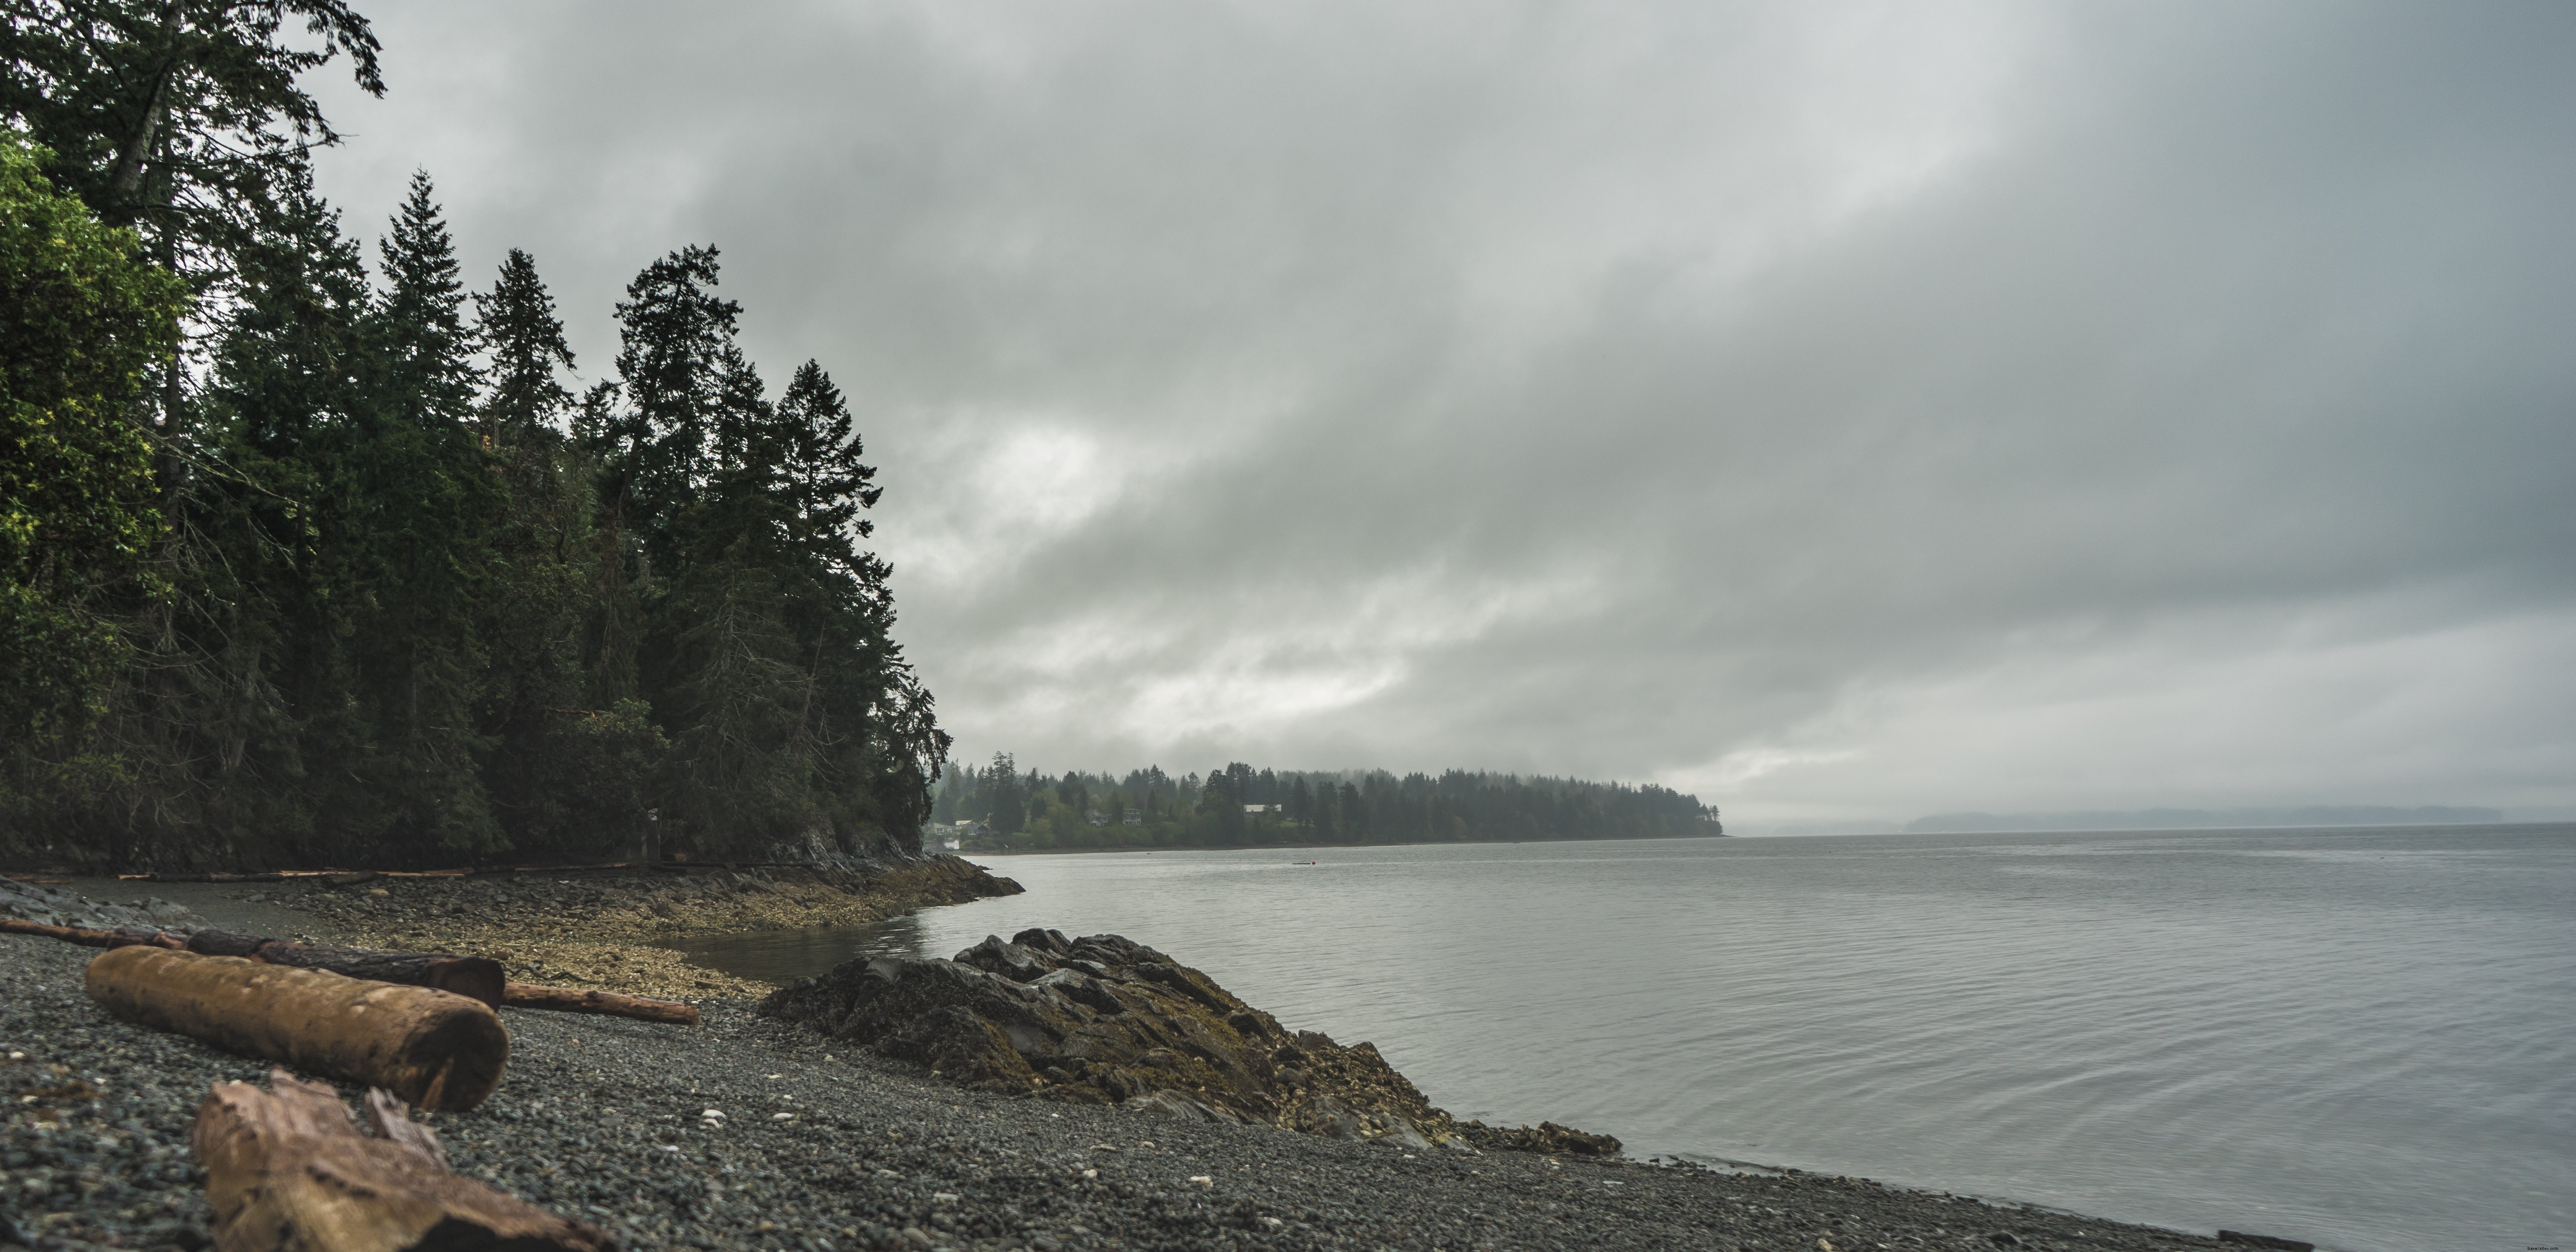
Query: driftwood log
{"x":475,"y":977}
{"x":117,"y":937}
{"x":287,"y":1170}
{"x":432,"y":1048}
{"x":519,"y":995}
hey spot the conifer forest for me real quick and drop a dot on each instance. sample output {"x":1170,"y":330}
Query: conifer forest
{"x":313,"y":553}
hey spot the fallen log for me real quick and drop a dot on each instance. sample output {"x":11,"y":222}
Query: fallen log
{"x":476,"y":977}
{"x":114,"y":937}
{"x":519,"y":995}
{"x":288,"y":1170}
{"x":432,"y":1048}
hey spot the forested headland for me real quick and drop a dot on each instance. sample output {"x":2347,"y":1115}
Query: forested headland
{"x":312,"y":552}
{"x":1001,"y":806}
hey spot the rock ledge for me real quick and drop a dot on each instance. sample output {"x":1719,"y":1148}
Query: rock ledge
{"x":1106,"y":1020}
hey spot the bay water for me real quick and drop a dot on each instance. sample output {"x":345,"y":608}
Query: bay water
{"x":2362,"y":1038}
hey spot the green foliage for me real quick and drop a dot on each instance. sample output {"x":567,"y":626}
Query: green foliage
{"x":330,"y":580}
{"x":80,"y":319}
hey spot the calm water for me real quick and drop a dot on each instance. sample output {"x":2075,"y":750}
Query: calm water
{"x":2361,"y":1038}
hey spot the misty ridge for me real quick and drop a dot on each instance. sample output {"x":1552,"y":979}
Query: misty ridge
{"x":2205,"y":819}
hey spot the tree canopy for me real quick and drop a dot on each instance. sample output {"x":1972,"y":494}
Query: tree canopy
{"x":307,"y":560}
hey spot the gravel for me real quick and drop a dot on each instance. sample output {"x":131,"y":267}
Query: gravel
{"x":751,"y":1133}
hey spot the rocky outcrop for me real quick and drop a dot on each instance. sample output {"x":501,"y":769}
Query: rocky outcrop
{"x":1106,"y":1020}
{"x":1546,"y":1138}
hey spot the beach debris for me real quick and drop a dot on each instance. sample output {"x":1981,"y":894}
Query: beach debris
{"x":289,"y":1168}
{"x":433,"y":1049}
{"x":520,"y":995}
{"x":476,"y":977}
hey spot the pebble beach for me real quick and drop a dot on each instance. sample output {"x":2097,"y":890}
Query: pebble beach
{"x":752,"y":1133}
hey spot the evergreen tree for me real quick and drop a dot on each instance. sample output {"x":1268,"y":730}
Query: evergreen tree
{"x":182,"y":118}
{"x":824,"y":482}
{"x":675,"y":366}
{"x":517,"y":323}
{"x":426,"y":350}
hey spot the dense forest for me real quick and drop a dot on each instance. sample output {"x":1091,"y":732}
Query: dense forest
{"x":999,"y":805}
{"x":308,"y":559}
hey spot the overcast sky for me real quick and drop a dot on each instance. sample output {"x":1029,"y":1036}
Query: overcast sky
{"x":1842,"y":411}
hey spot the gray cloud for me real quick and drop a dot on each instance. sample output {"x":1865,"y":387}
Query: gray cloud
{"x":1845,"y":411}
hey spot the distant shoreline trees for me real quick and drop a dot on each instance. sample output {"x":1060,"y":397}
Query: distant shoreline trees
{"x":1003,"y":806}
{"x":311,"y":564}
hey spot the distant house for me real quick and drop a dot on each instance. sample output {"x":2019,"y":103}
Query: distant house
{"x":1135,"y":817}
{"x":1095,"y":817}
{"x":1265,"y":808}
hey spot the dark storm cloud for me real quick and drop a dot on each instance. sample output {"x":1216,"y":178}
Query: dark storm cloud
{"x":1843,"y":411}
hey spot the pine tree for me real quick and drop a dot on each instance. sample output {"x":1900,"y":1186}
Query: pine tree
{"x":424,"y":347}
{"x":676,"y":347}
{"x":826,"y":485}
{"x":517,"y":322}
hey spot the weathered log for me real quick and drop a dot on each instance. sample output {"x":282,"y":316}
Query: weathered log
{"x":519,"y":995}
{"x":288,"y":1171}
{"x":433,"y":1048}
{"x":477,"y":977}
{"x":114,"y":937}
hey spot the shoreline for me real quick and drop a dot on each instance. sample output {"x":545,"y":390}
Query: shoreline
{"x":827,"y":1147}
{"x":1315,"y":847}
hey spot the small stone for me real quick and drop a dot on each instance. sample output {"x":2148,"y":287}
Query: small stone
{"x":1202,"y":1180}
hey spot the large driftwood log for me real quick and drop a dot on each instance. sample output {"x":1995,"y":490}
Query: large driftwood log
{"x":288,"y":1171}
{"x":519,"y":995}
{"x":477,"y":977}
{"x":433,"y":1048}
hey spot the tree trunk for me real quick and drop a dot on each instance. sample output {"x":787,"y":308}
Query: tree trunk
{"x":287,"y":1170}
{"x":519,"y":995}
{"x":118,"y":937}
{"x":435,"y":1049}
{"x":475,"y":977}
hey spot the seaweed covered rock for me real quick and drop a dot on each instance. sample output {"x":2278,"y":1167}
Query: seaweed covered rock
{"x":1106,"y":1020}
{"x":1547,"y":1138}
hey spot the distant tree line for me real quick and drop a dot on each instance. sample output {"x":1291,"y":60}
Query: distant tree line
{"x":1239,"y":806}
{"x":307,"y":560}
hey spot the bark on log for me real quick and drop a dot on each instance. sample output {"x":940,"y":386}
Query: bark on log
{"x":434,"y":1049}
{"x":476,"y":977}
{"x":117,"y":937}
{"x":519,"y":995}
{"x":288,"y":1171}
